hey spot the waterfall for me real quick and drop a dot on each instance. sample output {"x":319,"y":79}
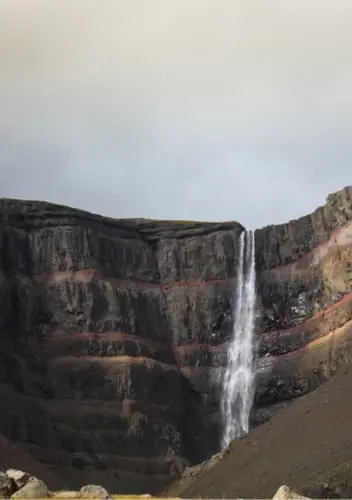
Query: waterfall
{"x":239,"y":376}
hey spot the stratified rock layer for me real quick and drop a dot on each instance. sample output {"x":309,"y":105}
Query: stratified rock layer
{"x":90,"y":325}
{"x":114,"y":332}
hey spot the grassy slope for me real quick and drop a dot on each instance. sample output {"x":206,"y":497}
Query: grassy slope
{"x":299,"y":446}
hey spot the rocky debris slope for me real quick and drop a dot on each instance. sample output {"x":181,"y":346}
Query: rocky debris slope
{"x":307,"y":445}
{"x":114,"y":332}
{"x":18,"y":484}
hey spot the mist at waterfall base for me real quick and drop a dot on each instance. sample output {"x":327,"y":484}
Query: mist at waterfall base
{"x":239,"y":375}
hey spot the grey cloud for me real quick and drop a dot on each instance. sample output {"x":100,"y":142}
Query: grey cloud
{"x":195,"y":109}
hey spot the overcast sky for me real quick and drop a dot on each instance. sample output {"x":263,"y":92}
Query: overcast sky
{"x":186,"y":109}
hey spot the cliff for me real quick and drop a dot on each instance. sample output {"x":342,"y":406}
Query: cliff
{"x":305,"y":290}
{"x":94,"y":312}
{"x":114,"y":332}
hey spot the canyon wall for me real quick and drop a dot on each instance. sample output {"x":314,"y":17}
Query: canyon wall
{"x":305,"y":289}
{"x":304,"y":313}
{"x":93,"y":314}
{"x":114,"y":332}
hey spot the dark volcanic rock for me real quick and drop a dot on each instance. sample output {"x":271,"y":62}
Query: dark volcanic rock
{"x":305,"y":287}
{"x":114,"y":332}
{"x":285,"y":243}
{"x":93,"y":312}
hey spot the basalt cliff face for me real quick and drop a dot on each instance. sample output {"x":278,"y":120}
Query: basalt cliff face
{"x":304,"y":312}
{"x":114,"y":332}
{"x":305,"y":289}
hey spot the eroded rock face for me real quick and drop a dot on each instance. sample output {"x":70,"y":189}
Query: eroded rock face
{"x":114,"y":333}
{"x":94,"y":311}
{"x":305,"y":289}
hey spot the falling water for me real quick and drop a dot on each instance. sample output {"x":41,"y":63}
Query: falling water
{"x":239,"y":376}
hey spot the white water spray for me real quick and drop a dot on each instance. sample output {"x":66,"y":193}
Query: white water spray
{"x":239,"y":376}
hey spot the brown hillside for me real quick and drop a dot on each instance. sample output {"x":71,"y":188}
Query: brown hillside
{"x":298,"y":447}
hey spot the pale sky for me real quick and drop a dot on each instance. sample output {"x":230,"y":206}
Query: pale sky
{"x":183,"y":109}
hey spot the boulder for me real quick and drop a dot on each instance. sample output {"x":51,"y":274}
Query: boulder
{"x":19,"y":477}
{"x":34,"y":488}
{"x":94,"y":491}
{"x":287,"y":493}
{"x":7,"y":485}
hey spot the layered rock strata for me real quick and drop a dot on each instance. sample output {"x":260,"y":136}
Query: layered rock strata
{"x":304,"y":309}
{"x":306,"y":298}
{"x":90,"y":331}
{"x":114,"y":333}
